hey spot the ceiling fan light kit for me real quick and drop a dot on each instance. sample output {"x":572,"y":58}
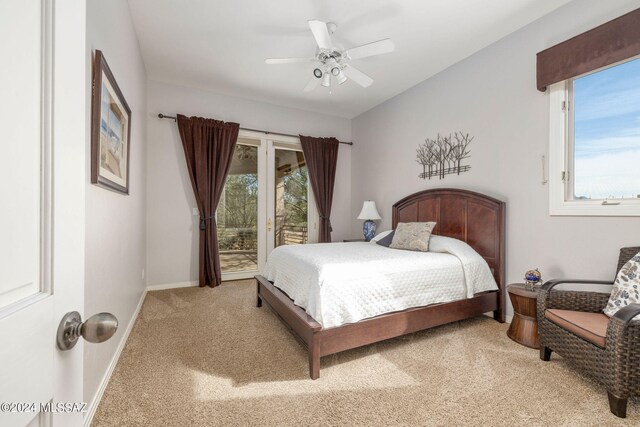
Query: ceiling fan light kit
{"x":326,"y":80}
{"x":333,"y":59}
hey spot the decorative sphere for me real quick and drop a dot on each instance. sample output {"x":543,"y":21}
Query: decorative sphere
{"x":532,"y":276}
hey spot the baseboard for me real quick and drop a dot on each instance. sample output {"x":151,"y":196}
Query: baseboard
{"x":507,"y":317}
{"x":225,"y":278}
{"x":171,"y":286}
{"x":93,"y":406}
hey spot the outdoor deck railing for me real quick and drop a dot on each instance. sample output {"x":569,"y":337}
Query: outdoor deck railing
{"x":246,"y":239}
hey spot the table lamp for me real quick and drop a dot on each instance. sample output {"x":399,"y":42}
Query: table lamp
{"x":369,"y":213}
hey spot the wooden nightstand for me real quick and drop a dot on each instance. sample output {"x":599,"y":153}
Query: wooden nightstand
{"x":524,"y":326}
{"x":354,"y":240}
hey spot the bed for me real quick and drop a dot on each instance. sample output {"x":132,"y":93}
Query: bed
{"x":467,"y":216}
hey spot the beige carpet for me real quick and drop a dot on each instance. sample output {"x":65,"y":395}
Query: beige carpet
{"x":206,"y":357}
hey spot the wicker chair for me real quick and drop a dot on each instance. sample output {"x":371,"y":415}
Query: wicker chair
{"x":572,"y":324}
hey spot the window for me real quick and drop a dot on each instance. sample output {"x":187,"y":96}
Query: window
{"x":594,"y":152}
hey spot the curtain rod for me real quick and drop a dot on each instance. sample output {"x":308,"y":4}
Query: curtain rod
{"x":164,"y":116}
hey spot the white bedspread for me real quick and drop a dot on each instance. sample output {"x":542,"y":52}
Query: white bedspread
{"x":339,"y":283}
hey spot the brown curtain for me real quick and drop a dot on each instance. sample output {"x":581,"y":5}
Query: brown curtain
{"x":607,"y":44}
{"x":321,"y":155}
{"x":208,"y":147}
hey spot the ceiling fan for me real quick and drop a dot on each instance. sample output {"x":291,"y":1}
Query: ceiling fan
{"x":332,"y":59}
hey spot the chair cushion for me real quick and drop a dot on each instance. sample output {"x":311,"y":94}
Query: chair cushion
{"x":589,"y":326}
{"x":626,"y":288}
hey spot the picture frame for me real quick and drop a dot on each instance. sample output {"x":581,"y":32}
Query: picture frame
{"x":110,"y":130}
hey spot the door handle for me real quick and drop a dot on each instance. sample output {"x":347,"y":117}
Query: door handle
{"x":98,"y":328}
{"x":269,"y":224}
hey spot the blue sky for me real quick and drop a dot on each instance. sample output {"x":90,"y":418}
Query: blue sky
{"x":607,"y":132}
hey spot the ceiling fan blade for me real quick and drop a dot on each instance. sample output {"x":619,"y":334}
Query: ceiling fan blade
{"x":371,"y":49}
{"x":312,"y":84}
{"x":288,"y":60}
{"x":357,"y":76}
{"x":321,"y":34}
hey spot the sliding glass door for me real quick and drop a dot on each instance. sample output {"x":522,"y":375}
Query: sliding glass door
{"x":291,"y":208}
{"x":237,"y":214}
{"x":267,"y":202}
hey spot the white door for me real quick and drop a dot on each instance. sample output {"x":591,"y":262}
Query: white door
{"x":42,"y":182}
{"x":267,"y":202}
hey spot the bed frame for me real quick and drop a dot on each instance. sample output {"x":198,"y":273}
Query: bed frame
{"x":474,"y":218}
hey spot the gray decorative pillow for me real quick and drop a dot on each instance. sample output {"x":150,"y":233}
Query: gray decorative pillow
{"x":386,"y":240}
{"x":626,"y":288}
{"x":412,"y":236}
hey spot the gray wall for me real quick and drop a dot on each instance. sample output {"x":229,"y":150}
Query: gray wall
{"x":115,"y":253}
{"x":492,"y":95}
{"x":172,"y":230}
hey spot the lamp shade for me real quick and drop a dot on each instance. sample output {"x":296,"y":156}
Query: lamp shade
{"x":369,"y":211}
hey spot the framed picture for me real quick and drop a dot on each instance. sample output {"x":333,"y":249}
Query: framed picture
{"x":110,"y":130}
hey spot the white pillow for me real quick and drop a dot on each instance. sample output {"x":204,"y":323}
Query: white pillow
{"x":380,"y":235}
{"x":626,"y":288}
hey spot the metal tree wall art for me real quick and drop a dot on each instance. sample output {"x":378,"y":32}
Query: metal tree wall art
{"x":444,"y":155}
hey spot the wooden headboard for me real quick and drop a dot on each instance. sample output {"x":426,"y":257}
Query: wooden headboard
{"x":465,"y":215}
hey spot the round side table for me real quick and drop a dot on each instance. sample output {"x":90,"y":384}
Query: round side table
{"x":524,"y":326}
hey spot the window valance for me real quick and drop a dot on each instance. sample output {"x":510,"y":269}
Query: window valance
{"x":604,"y":45}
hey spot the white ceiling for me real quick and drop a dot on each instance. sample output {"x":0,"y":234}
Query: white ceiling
{"x":220,"y":45}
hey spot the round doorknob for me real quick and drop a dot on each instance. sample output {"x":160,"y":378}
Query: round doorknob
{"x":98,"y":328}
